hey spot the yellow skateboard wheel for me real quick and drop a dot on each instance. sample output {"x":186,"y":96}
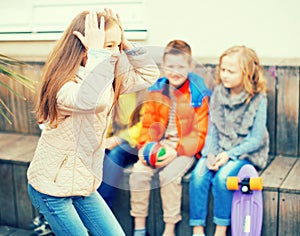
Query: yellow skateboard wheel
{"x":232,"y":183}
{"x":256,"y":183}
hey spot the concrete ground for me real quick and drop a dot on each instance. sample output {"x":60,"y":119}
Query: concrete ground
{"x":10,"y":231}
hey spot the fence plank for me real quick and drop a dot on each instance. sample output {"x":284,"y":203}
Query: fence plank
{"x":289,"y":214}
{"x":34,"y":71}
{"x":270,"y":214}
{"x":7,"y":197}
{"x":155,"y":219}
{"x":25,"y":210}
{"x":183,"y":227}
{"x":270,"y":73}
{"x":121,"y":206}
{"x":298,"y":112}
{"x":23,"y":119}
{"x":208,"y":73}
{"x":289,"y":210}
{"x":288,"y":111}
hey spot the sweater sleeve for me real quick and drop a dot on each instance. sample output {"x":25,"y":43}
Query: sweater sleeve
{"x":256,"y":134}
{"x":211,"y":141}
{"x":136,"y":69}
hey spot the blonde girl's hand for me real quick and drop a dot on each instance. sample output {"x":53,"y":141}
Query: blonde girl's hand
{"x":94,"y":36}
{"x":221,"y":159}
{"x":112,"y":142}
{"x":125,"y":43}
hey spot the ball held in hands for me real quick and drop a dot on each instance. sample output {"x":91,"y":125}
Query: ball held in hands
{"x":152,"y":153}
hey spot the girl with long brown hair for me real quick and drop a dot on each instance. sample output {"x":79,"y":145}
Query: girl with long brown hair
{"x":90,"y":66}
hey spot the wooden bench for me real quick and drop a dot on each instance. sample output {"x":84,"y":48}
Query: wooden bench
{"x":281,"y":197}
{"x":16,"y":152}
{"x":281,"y":193}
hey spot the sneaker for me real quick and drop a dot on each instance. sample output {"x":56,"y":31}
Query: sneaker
{"x":43,"y":230}
{"x":37,"y":221}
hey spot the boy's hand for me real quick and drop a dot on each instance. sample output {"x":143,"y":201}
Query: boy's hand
{"x":168,"y":157}
{"x":141,"y":155}
{"x":94,"y":37}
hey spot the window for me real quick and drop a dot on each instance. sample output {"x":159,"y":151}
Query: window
{"x":46,"y":20}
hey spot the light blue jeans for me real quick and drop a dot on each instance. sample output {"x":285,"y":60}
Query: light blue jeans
{"x":200,"y":182}
{"x":75,"y":215}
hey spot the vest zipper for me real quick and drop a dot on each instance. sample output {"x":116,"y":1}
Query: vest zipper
{"x":60,"y":166}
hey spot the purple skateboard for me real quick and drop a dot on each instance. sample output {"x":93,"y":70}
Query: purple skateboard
{"x":247,"y":204}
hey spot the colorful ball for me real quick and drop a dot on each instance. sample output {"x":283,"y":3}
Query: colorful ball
{"x":152,"y":152}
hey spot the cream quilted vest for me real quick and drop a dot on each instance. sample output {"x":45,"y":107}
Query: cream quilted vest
{"x":68,"y":159}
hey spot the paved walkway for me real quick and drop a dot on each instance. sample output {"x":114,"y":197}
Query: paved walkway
{"x":10,"y":231}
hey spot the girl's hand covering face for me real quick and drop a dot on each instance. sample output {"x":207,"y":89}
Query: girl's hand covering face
{"x":94,"y":36}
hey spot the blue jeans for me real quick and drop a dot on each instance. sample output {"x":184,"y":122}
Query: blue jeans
{"x":75,"y":215}
{"x":200,"y":182}
{"x":114,"y":162}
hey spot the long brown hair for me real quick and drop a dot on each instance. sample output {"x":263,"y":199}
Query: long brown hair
{"x":254,"y":81}
{"x":62,"y":66}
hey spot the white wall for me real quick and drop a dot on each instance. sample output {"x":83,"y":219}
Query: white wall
{"x":271,"y":27}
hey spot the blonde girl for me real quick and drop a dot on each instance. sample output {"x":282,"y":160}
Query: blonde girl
{"x":237,"y":135}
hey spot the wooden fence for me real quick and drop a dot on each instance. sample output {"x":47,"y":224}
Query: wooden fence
{"x":283,"y":105}
{"x":282,"y":189}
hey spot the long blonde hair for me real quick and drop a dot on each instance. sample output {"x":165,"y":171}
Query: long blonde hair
{"x":62,"y":66}
{"x":254,"y":81}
